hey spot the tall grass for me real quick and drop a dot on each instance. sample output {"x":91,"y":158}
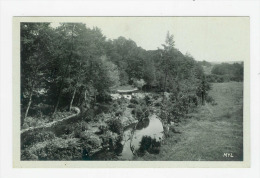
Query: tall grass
{"x":211,"y":131}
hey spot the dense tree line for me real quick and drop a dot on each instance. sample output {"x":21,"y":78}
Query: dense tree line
{"x":226,"y":72}
{"x":75,"y":65}
{"x":205,"y":63}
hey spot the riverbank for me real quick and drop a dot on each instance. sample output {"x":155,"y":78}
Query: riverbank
{"x":210,"y":131}
{"x":127,"y":131}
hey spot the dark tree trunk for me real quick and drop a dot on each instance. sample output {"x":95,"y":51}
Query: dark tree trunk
{"x":57,"y":104}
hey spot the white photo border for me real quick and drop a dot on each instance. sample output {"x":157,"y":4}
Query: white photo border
{"x":9,"y":9}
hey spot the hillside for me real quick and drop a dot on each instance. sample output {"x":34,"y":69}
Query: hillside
{"x":209,"y":132}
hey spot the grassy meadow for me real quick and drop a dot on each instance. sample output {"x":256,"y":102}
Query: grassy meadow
{"x":210,"y":131}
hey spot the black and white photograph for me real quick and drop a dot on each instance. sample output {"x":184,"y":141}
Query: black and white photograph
{"x":133,"y":89}
{"x":129,"y":89}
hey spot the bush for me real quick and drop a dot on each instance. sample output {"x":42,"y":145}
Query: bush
{"x":134,"y":101}
{"x":33,"y":121}
{"x":39,"y":110}
{"x":27,"y":155}
{"x":148,"y":144}
{"x":104,"y":108}
{"x":89,"y":115}
{"x":80,"y":127}
{"x":35,"y":137}
{"x":72,"y":128}
{"x":210,"y":100}
{"x":158,"y":104}
{"x":156,"y":96}
{"x":65,"y":129}
{"x":132,"y":105}
{"x":179,"y":106}
{"x":103,"y":128}
{"x":137,"y":112}
{"x":115,"y":105}
{"x":56,"y":149}
{"x":119,"y":113}
{"x":25,"y":126}
{"x":91,"y":139}
{"x":141,"y":112}
{"x":121,"y":101}
{"x":164,"y":115}
{"x":110,"y":140}
{"x":115,"y":125}
{"x":148,"y":100}
{"x":104,"y":97}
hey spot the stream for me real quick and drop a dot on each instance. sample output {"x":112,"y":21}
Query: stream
{"x":151,"y":128}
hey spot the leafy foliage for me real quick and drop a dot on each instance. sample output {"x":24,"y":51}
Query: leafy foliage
{"x":115,"y":125}
{"x":73,"y":65}
{"x":229,"y":72}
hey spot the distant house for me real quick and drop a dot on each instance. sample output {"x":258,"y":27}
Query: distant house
{"x":124,"y":91}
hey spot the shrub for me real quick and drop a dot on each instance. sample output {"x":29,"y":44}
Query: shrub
{"x":137,"y":112}
{"x":104,"y":97}
{"x":133,"y":111}
{"x":66,"y":129}
{"x":141,"y":112}
{"x":121,"y":101}
{"x":83,"y":125}
{"x":134,"y":101}
{"x":89,"y":115}
{"x":156,"y":96}
{"x":119,"y":113}
{"x":27,"y":155}
{"x":103,"y":128}
{"x":99,"y":117}
{"x":210,"y":100}
{"x":142,"y":102}
{"x":91,"y":139}
{"x":25,"y":126}
{"x":56,"y":149}
{"x":33,"y":122}
{"x":115,"y":105}
{"x":131,"y":105}
{"x":158,"y":104}
{"x":164,"y":116}
{"x":115,"y":125}
{"x":110,"y":140}
{"x":148,"y":100}
{"x":102,"y":108}
{"x":148,"y":144}
{"x":35,"y":137}
{"x":80,"y":127}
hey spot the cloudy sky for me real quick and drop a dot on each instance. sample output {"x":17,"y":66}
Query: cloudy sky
{"x":205,"y":38}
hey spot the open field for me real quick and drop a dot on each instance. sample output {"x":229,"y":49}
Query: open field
{"x":211,"y":131}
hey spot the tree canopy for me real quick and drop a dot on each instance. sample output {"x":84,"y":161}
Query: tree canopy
{"x":75,"y":65}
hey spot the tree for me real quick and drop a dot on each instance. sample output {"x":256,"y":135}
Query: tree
{"x":69,"y":35}
{"x":139,"y":83}
{"x":167,"y":63}
{"x":129,"y":58}
{"x":35,"y":54}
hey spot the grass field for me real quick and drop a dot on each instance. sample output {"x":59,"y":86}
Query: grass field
{"x":211,"y":131}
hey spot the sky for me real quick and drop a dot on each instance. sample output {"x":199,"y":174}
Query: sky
{"x":214,"y":39}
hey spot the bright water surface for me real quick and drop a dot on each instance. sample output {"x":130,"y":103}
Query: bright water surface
{"x":132,"y":137}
